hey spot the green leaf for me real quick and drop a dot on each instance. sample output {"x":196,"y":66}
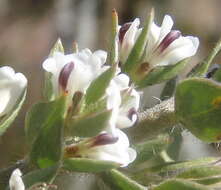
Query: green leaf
{"x":97,"y":88}
{"x":118,"y":181}
{"x":134,"y":59}
{"x":149,"y":149}
{"x":48,"y":87}
{"x":36,"y":118}
{"x":47,"y":147}
{"x":89,"y":125}
{"x":174,"y":184}
{"x":206,"y":175}
{"x":10,"y":117}
{"x":162,"y":73}
{"x":217,"y":75}
{"x":88,"y":165}
{"x":198,"y":108}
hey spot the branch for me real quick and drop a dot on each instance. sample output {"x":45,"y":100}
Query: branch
{"x":153,"y":121}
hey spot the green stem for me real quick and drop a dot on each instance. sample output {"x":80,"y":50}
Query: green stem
{"x":153,"y":121}
{"x":203,"y":67}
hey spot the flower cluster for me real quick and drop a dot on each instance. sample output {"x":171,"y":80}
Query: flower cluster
{"x":74,"y":73}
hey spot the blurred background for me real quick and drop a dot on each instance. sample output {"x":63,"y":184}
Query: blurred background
{"x":29,"y":28}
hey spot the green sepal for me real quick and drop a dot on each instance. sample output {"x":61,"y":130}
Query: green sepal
{"x":151,"y":148}
{"x":58,"y":47}
{"x":88,"y":165}
{"x":118,"y":181}
{"x":113,"y":52}
{"x":160,"y":74}
{"x":89,"y":125}
{"x":206,"y":175}
{"x":198,"y":108}
{"x":47,"y":147}
{"x":217,"y":75}
{"x":177,"y":167}
{"x":134,"y":59}
{"x":10,"y":117}
{"x":98,"y":87}
{"x":174,"y":184}
{"x":48,"y":92}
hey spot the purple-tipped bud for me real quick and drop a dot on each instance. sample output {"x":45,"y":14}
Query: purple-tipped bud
{"x":168,"y":39}
{"x":104,"y":139}
{"x":131,"y":113}
{"x":123,"y":31}
{"x":64,"y":75}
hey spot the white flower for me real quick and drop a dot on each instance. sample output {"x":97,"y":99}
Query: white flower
{"x":15,"y":181}
{"x":124,"y":102}
{"x":106,"y":147}
{"x":74,"y":72}
{"x":128,"y":34}
{"x":168,"y":47}
{"x":12,"y":85}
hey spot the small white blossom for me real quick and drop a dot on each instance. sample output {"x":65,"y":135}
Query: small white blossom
{"x":15,"y":181}
{"x":124,"y":101}
{"x":166,"y":46}
{"x":106,"y":147}
{"x":74,"y":72}
{"x":12,"y":85}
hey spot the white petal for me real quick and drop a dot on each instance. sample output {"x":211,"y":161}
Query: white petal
{"x":15,"y":181}
{"x":180,"y":49}
{"x":113,"y":94}
{"x":102,"y":55}
{"x":132,"y":102}
{"x":152,"y":40}
{"x":122,"y":80}
{"x":129,"y":40}
{"x":12,"y":85}
{"x":132,"y":154}
{"x":166,"y":27}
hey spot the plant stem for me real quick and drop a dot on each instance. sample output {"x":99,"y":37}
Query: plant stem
{"x":153,"y":121}
{"x":202,"y":68}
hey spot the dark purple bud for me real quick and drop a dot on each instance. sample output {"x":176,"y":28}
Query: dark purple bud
{"x":64,"y":75}
{"x":168,"y":39}
{"x":131,"y":113}
{"x":104,"y":139}
{"x":124,"y":28}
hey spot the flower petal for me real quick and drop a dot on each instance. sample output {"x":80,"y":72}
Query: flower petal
{"x":180,"y":49}
{"x":166,"y":27}
{"x":129,"y":40}
{"x":15,"y":181}
{"x":12,"y":86}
